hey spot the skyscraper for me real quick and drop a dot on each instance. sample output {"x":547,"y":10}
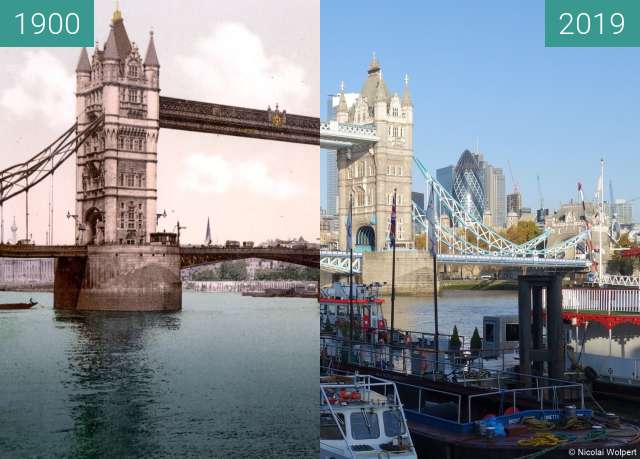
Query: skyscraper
{"x":514,"y":202}
{"x":494,"y":195}
{"x":444,"y":175}
{"x":623,"y":211}
{"x":468,"y":186}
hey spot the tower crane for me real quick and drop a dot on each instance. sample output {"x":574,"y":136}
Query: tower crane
{"x":513,"y":180}
{"x":540,"y":192}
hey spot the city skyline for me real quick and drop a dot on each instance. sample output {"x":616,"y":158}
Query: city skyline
{"x":535,"y":107}
{"x":235,"y":181}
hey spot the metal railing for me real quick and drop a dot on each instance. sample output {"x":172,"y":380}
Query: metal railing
{"x":553,"y":392}
{"x":606,"y":301}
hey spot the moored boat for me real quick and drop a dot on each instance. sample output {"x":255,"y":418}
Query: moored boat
{"x":362,"y":417}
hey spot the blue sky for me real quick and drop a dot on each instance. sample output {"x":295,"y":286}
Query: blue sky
{"x":480,"y":71}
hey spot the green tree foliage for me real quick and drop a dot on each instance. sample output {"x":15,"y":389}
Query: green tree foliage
{"x":522,"y":232}
{"x":233,"y":270}
{"x":619,"y":264}
{"x":476,"y":341}
{"x":206,"y":275}
{"x":454,"y":341}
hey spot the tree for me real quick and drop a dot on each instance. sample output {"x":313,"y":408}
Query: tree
{"x":619,"y":264}
{"x":233,"y":270}
{"x":476,"y":341}
{"x":522,"y":232}
{"x":454,"y":341}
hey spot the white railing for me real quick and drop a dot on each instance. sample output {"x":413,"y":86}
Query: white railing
{"x":619,"y":280}
{"x":339,"y":262}
{"x":604,"y":301}
{"x":245,"y":286}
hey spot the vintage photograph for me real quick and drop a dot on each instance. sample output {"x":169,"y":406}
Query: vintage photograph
{"x":159,"y":235}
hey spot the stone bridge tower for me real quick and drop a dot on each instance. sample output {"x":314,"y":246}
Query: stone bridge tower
{"x":116,"y":189}
{"x":371,"y":176}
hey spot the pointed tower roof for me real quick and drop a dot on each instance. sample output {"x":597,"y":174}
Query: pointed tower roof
{"x":118,"y":45}
{"x":84,"y":66}
{"x":406,"y":94}
{"x":373,"y":81}
{"x":151,"y":59}
{"x":207,"y":237}
{"x":374,"y":65}
{"x":381,"y":89}
{"x":111,"y":48}
{"x":342,"y":104}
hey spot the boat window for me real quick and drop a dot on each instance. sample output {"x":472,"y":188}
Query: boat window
{"x":512,"y":332}
{"x":364,"y":425}
{"x":393,"y":423}
{"x":488,"y":332}
{"x":328,"y":428}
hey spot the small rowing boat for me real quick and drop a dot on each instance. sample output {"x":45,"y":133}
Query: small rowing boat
{"x":29,"y":305}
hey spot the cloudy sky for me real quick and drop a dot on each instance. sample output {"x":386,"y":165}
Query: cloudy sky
{"x":248,"y":53}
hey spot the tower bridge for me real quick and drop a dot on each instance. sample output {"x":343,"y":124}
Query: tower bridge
{"x":373,"y":138}
{"x":119,"y":114}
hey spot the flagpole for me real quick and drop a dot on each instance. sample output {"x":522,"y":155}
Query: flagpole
{"x":435,"y":306}
{"x":601,"y":204}
{"x":434,"y":242}
{"x":350,"y":236}
{"x":393,"y":267}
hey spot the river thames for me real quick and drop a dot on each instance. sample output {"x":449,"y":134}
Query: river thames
{"x":228,"y":376}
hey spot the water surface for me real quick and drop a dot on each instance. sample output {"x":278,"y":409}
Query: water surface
{"x":229,"y":376}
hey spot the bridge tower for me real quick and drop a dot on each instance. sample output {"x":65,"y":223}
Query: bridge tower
{"x":116,"y":189}
{"x":372,"y":175}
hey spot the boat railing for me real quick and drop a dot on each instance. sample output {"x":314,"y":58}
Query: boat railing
{"x":412,"y":358}
{"x":601,"y":300}
{"x":550,"y":393}
{"x":361,"y":382}
{"x":422,"y":362}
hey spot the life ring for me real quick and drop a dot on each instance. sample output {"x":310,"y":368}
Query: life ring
{"x":590,"y":374}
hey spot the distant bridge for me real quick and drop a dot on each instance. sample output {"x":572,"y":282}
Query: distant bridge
{"x":189,"y":255}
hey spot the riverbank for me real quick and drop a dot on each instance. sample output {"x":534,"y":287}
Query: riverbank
{"x":480,"y":285}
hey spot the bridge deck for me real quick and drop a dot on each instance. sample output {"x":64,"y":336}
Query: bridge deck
{"x":189,"y":115}
{"x":190,"y":255}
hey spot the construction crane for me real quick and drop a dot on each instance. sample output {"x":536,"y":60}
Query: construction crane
{"x":513,"y":180}
{"x":540,"y":192}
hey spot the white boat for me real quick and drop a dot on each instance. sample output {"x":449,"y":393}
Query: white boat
{"x":361,"y":417}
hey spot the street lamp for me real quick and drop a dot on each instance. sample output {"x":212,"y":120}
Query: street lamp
{"x":79,"y":226}
{"x":162,"y":215}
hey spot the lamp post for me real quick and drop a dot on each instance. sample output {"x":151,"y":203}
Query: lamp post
{"x":162,"y":215}
{"x":75,"y":218}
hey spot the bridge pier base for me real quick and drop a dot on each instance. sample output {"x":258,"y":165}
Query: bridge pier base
{"x":120,"y":278}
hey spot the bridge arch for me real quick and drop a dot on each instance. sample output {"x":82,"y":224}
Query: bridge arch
{"x":366,"y":239}
{"x":94,"y":226}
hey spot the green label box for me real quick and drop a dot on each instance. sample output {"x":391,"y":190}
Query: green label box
{"x":592,"y":23}
{"x":46,"y":23}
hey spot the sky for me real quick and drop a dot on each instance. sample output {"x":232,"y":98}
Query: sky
{"x":481,"y":75}
{"x":243,"y":53}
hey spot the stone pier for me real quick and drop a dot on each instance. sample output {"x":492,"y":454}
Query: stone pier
{"x":120,"y":278}
{"x":414,"y":272}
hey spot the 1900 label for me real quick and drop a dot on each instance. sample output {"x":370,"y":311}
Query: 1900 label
{"x":46,"y":23}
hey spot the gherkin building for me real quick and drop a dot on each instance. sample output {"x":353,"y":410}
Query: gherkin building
{"x":467,"y":185}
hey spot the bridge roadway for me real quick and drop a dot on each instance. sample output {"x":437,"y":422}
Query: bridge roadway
{"x":189,"y":255}
{"x":189,"y":115}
